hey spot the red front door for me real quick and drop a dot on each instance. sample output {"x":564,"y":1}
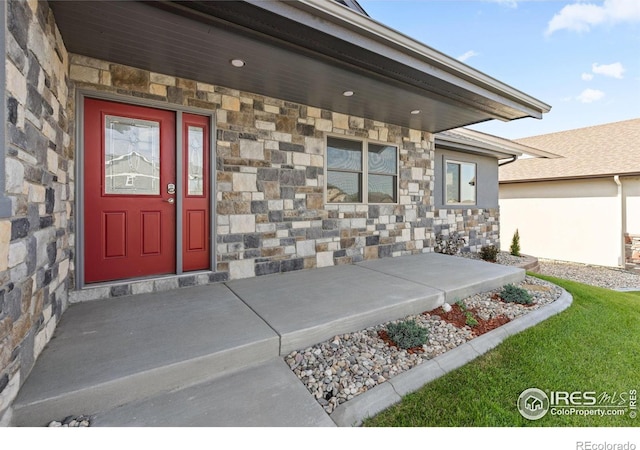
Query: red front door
{"x":196,"y":201}
{"x":129,"y":191}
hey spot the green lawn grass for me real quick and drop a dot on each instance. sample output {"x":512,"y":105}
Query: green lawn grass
{"x":594,"y":345}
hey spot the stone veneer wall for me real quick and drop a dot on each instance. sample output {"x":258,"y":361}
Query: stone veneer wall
{"x":271,"y":215}
{"x":632,"y":251}
{"x":36,"y":242}
{"x":479,"y":227}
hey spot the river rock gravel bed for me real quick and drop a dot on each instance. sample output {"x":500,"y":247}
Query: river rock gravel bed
{"x":504,"y":258}
{"x":605,"y":277}
{"x":341,"y":368}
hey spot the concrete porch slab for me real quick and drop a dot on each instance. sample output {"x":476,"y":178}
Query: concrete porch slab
{"x":232,"y":400}
{"x":457,"y":277}
{"x":210,"y":351}
{"x":107,"y":353}
{"x":308,"y":307}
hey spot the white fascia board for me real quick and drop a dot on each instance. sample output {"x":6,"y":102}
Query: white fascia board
{"x":472,"y":146}
{"x":506,"y":144}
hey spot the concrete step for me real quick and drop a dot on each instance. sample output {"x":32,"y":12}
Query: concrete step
{"x":108,"y":353}
{"x":530,"y":264}
{"x":308,"y":307}
{"x":456,"y":277}
{"x":262,"y":395}
{"x":632,"y":267}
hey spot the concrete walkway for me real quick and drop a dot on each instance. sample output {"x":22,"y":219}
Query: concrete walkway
{"x":212,"y":355}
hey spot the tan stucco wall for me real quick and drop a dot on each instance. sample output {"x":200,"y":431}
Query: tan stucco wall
{"x":578,"y":220}
{"x":631,"y":190}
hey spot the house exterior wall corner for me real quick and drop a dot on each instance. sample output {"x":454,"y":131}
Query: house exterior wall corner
{"x":36,"y":240}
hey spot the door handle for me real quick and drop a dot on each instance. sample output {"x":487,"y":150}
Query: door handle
{"x":171,"y":200}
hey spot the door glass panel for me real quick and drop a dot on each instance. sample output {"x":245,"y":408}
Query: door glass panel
{"x":132,"y":156}
{"x":196,"y":161}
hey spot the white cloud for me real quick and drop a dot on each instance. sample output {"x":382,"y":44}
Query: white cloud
{"x":614,"y":70}
{"x":590,"y":95}
{"x":467,"y":55}
{"x":582,"y":16}
{"x":587,"y":76}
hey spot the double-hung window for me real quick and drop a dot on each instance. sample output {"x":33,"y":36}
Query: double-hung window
{"x":460,"y":184}
{"x":361,"y":172}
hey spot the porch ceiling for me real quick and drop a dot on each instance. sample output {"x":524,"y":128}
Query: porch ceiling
{"x":307,"y":52}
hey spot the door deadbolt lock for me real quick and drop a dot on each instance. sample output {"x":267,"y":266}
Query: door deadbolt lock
{"x":171,"y":188}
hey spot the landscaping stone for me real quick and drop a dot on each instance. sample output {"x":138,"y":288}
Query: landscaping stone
{"x":72,"y":422}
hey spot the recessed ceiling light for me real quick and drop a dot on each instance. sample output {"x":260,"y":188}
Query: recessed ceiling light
{"x":237,"y":63}
{"x":415,"y":111}
{"x":348,"y":93}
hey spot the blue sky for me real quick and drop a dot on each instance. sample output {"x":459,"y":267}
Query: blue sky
{"x":582,"y":57}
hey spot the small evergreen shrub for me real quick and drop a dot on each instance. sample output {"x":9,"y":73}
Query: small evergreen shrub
{"x":515,"y":294}
{"x":489,"y":253}
{"x":449,"y":245}
{"x":515,"y":244}
{"x":471,"y":321}
{"x":407,"y":334}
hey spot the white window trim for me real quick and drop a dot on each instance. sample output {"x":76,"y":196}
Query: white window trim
{"x":365,"y":169}
{"x":444,"y":182}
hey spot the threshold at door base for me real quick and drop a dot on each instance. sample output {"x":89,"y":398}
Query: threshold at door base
{"x":121,"y":288}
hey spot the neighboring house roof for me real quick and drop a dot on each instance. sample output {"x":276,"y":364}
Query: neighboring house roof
{"x":592,"y":152}
{"x":307,"y":51}
{"x":353,"y":4}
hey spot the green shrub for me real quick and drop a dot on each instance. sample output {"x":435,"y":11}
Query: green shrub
{"x":489,"y":253}
{"x":515,"y":244}
{"x":515,"y":294}
{"x":471,"y":321}
{"x":407,"y":334}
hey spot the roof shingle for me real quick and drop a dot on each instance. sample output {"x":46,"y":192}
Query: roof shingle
{"x":597,"y":151}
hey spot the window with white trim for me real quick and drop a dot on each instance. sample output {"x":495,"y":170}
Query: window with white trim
{"x":361,"y":172}
{"x":460,"y":183}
